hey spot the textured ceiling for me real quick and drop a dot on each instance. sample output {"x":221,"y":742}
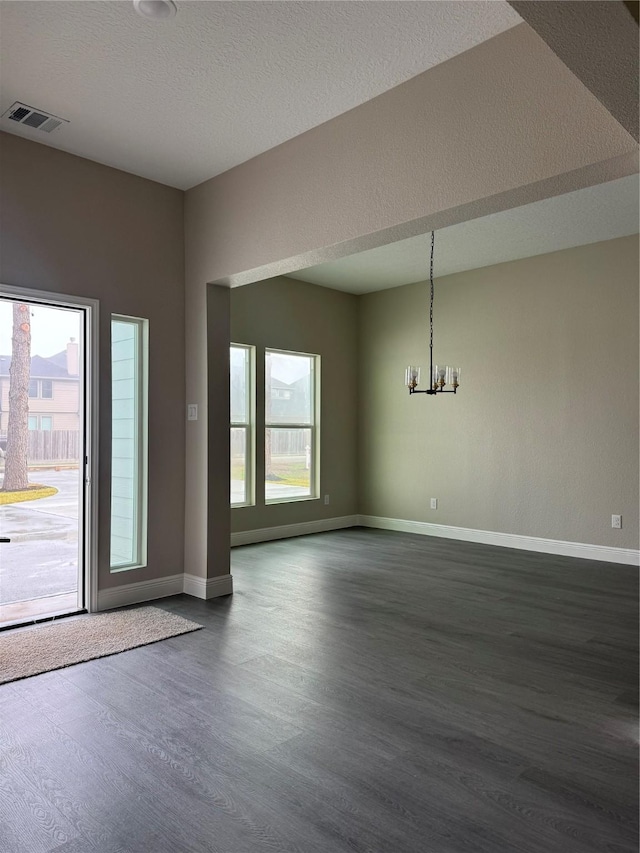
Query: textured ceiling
{"x":602,"y":212}
{"x":180,"y":101}
{"x":599,"y":43}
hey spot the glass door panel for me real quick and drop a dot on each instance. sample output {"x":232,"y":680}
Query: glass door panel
{"x":42,"y":454}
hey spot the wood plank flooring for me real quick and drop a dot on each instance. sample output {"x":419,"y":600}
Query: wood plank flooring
{"x":363,"y":690}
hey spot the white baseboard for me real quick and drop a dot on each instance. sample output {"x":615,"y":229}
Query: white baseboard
{"x":627,"y":556}
{"x":139,"y":591}
{"x":207,"y":587}
{"x":285,"y":531}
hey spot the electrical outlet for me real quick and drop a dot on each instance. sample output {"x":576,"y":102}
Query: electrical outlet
{"x":434,"y":503}
{"x":616,"y":521}
{"x":326,"y":500}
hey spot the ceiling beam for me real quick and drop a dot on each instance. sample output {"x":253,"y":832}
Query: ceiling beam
{"x":598,"y":42}
{"x":498,"y":126}
{"x":634,"y":7}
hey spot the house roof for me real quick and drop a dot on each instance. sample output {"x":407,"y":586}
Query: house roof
{"x":278,"y":383}
{"x":54,"y":366}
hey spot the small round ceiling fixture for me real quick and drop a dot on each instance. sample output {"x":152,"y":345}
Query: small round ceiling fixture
{"x":157,"y":10}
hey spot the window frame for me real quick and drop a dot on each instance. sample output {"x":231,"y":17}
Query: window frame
{"x":314,"y":427}
{"x":248,"y":425}
{"x":39,"y":389}
{"x":38,"y":418}
{"x":141,"y":457}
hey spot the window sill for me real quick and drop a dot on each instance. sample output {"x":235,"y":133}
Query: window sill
{"x":115,"y":569}
{"x":297,"y":499}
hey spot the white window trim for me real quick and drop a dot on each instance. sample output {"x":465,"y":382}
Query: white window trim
{"x":249,"y":427}
{"x":314,"y":473}
{"x":142,"y":449}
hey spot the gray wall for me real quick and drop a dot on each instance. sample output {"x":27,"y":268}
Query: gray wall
{"x":72,"y":226}
{"x":285,"y":314}
{"x":542,"y":438}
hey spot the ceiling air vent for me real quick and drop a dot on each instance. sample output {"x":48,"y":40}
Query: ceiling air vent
{"x":30,"y":117}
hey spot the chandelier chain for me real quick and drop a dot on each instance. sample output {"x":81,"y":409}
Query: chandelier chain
{"x":431,"y":295}
{"x":441,"y":375}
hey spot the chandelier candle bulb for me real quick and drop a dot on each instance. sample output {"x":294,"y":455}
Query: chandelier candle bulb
{"x":412,"y":376}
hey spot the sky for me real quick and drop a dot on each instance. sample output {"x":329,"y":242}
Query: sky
{"x":51,"y":328}
{"x":288,"y":368}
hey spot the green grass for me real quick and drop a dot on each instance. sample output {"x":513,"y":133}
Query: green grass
{"x":32,"y":493}
{"x":288,"y":474}
{"x":284,"y":473}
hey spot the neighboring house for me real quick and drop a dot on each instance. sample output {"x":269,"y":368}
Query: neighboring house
{"x":283,"y":402}
{"x":54,"y":391}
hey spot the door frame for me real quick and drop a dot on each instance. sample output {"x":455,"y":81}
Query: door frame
{"x":91,"y":309}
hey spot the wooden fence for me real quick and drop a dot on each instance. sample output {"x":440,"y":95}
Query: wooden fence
{"x":60,"y":445}
{"x":284,"y":442}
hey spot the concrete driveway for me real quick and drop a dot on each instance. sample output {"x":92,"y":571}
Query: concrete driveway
{"x":42,"y":558}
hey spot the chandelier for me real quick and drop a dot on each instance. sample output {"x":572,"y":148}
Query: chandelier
{"x":440,"y":376}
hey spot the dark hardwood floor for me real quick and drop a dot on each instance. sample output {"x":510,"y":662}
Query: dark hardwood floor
{"x":361,"y":691}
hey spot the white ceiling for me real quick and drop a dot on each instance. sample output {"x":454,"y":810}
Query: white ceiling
{"x":602,"y":212}
{"x":182,"y":100}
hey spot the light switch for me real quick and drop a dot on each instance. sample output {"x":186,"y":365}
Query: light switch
{"x":192,"y":411}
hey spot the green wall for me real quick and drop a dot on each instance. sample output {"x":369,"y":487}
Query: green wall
{"x":292,"y":315}
{"x":542,"y":437}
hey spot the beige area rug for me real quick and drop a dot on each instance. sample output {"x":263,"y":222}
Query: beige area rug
{"x":30,"y":651}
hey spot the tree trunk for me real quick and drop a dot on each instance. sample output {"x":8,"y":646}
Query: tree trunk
{"x":15,"y":469}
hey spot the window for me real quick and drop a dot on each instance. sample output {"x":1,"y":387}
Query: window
{"x":241,"y":360}
{"x":129,"y":371}
{"x":291,"y":417}
{"x":42,"y":388}
{"x":41,"y":422}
